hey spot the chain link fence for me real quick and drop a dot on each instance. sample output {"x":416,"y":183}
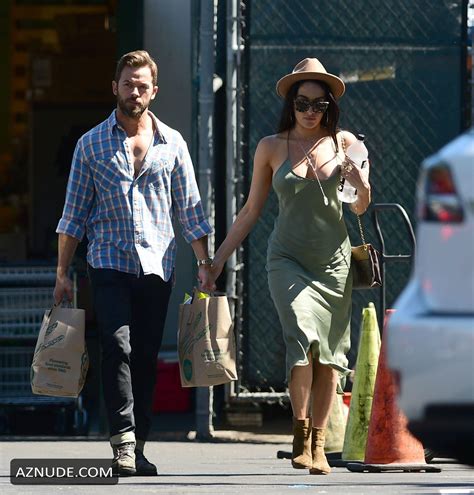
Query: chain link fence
{"x":404,"y":67}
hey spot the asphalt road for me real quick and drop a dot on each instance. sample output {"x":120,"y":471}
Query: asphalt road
{"x":226,"y":467}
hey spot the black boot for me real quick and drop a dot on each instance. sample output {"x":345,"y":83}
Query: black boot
{"x":143,"y":465}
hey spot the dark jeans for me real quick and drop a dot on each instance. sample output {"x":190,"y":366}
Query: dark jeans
{"x":131,"y":313}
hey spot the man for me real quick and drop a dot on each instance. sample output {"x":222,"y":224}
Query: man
{"x":128,"y":175}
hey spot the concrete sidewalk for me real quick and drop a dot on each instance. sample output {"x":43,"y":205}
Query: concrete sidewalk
{"x":235,"y":463}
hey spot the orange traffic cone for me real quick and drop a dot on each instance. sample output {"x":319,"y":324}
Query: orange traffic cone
{"x":390,"y":446}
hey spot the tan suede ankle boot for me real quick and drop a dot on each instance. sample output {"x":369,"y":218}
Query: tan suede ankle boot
{"x":320,"y":463}
{"x":301,"y":456}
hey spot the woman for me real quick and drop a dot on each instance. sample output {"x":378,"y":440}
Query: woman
{"x":309,"y":250}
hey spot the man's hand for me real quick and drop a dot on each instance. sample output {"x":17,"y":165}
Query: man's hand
{"x":66,"y":248}
{"x":207,"y":278}
{"x":63,"y":288}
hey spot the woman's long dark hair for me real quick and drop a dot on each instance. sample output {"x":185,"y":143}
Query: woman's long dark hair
{"x":330,"y":117}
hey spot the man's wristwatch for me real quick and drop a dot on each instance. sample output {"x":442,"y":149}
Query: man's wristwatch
{"x":205,"y":261}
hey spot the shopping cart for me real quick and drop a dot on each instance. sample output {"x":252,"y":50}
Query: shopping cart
{"x":25,"y":293}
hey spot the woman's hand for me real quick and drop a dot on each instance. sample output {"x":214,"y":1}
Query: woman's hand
{"x":247,"y":217}
{"x":356,"y":176}
{"x":359,"y":178}
{"x":207,"y":276}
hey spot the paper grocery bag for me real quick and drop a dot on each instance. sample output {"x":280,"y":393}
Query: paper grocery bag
{"x":60,"y":361}
{"x":206,"y":343}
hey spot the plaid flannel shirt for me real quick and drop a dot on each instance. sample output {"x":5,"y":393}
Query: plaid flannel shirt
{"x":128,"y":220}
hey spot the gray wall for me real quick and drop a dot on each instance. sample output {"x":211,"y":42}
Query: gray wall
{"x":167,"y":37}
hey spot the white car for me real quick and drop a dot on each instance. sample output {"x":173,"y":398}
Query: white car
{"x":431,"y":333}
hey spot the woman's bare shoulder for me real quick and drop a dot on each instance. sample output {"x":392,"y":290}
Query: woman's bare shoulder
{"x":273,"y":139}
{"x":272,"y":144}
{"x":348,"y":137}
{"x":272,"y":150}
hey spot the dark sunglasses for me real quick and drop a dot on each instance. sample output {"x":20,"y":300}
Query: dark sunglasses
{"x":303,"y":105}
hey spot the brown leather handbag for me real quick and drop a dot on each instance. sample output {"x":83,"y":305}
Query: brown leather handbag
{"x":365,"y":264}
{"x":365,"y":259}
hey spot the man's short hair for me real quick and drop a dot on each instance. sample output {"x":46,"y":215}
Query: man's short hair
{"x":137,"y":59}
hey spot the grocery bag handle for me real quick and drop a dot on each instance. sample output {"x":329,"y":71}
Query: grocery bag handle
{"x":63,"y":304}
{"x":214,"y":293}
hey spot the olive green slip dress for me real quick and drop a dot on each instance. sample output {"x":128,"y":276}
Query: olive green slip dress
{"x":308,"y":265}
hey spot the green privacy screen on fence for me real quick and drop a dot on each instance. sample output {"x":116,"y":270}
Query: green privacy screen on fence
{"x":402,"y":61}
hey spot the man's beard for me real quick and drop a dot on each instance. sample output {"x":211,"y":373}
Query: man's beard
{"x":133,"y":112}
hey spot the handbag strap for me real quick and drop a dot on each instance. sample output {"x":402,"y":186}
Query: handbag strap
{"x":361,"y":229}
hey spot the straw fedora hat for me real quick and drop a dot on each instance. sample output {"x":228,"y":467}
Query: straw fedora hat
{"x":310,"y":68}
